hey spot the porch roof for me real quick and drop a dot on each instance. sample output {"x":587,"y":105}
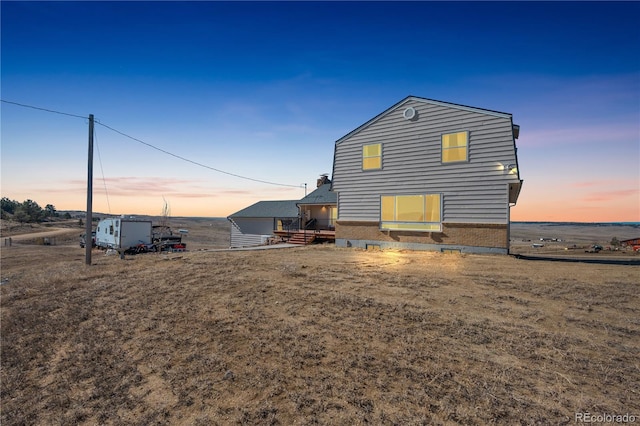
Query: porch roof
{"x":286,"y":208}
{"x":322,"y":195}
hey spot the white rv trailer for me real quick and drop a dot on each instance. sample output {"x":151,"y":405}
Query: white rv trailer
{"x":123,"y":234}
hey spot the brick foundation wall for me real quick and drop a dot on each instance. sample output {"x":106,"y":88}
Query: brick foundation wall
{"x":457,"y":234}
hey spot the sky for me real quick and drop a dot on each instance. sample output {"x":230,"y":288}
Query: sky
{"x":264,"y":89}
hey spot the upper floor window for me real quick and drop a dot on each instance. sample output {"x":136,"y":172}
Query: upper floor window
{"x":372,"y":156}
{"x":455,"y":147}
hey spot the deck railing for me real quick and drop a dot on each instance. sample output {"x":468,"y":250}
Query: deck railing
{"x":293,"y":225}
{"x":320,"y":225}
{"x":287,"y":224}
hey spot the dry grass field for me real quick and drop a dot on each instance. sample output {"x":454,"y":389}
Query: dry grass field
{"x":575,"y":239}
{"x":312,"y":335}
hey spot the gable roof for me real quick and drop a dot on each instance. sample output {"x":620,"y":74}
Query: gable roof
{"x":426,"y":101}
{"x":322,"y":195}
{"x":286,"y":208}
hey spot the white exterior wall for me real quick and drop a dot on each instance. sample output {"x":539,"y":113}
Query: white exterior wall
{"x":133,"y":233}
{"x":103,"y":237}
{"x":126,"y":233}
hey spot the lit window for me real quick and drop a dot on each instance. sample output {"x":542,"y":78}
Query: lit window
{"x":372,"y":156}
{"x":410,"y":208}
{"x":455,"y":147}
{"x":388,"y":210}
{"x":411,"y":212}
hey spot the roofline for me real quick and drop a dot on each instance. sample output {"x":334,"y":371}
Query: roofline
{"x":462,"y":107}
{"x":234,"y":215}
{"x":428,"y":101}
{"x":326,"y":203}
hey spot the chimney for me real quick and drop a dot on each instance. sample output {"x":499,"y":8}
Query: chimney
{"x":324,"y":178}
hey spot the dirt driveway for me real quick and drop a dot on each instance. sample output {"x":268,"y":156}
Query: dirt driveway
{"x":51,"y":233}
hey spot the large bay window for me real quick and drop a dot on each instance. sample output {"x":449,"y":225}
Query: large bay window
{"x":411,"y":212}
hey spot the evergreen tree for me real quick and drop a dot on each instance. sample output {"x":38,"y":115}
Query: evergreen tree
{"x":8,"y":205}
{"x":30,"y":212}
{"x":50,"y":211}
{"x":21,"y":215}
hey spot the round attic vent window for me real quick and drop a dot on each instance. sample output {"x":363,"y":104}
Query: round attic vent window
{"x":409,"y":113}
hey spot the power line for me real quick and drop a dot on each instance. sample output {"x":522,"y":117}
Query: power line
{"x":195,"y":162}
{"x":44,"y":109}
{"x":154,"y":147}
{"x":104,"y":181}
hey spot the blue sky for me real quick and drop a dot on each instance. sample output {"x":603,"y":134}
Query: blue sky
{"x":264,"y":90}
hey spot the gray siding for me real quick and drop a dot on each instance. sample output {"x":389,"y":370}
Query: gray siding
{"x":473,"y":192}
{"x":246,"y":232}
{"x":250,"y":232}
{"x":258,"y":225}
{"x":239,"y":239}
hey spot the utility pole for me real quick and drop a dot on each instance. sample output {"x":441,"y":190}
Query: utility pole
{"x":88,"y":238}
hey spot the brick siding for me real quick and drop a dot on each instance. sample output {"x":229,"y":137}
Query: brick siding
{"x":461,"y":234}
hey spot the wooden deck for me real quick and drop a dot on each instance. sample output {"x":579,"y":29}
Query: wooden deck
{"x":304,"y":237}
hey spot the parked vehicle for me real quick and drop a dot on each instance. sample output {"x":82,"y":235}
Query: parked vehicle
{"x":594,"y":249}
{"x":165,"y":240}
{"x":124,"y":234}
{"x":83,"y":239}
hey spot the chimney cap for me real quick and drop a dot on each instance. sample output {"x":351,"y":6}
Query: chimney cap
{"x":324,"y":179}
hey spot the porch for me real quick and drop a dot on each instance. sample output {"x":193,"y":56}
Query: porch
{"x":306,"y":236}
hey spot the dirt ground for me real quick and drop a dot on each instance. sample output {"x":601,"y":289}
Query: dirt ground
{"x":313,"y":335}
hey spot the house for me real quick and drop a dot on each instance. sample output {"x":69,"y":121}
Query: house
{"x":633,"y":242}
{"x":428,"y":175}
{"x":319,"y":209}
{"x":297,"y":221}
{"x":254,"y":225}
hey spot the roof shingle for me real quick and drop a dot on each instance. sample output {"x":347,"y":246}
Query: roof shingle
{"x":286,"y":208}
{"x":322,"y":195}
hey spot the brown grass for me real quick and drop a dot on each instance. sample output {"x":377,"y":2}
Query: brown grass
{"x":315,"y":335}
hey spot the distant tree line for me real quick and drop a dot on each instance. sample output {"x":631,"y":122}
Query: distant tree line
{"x":28,"y":211}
